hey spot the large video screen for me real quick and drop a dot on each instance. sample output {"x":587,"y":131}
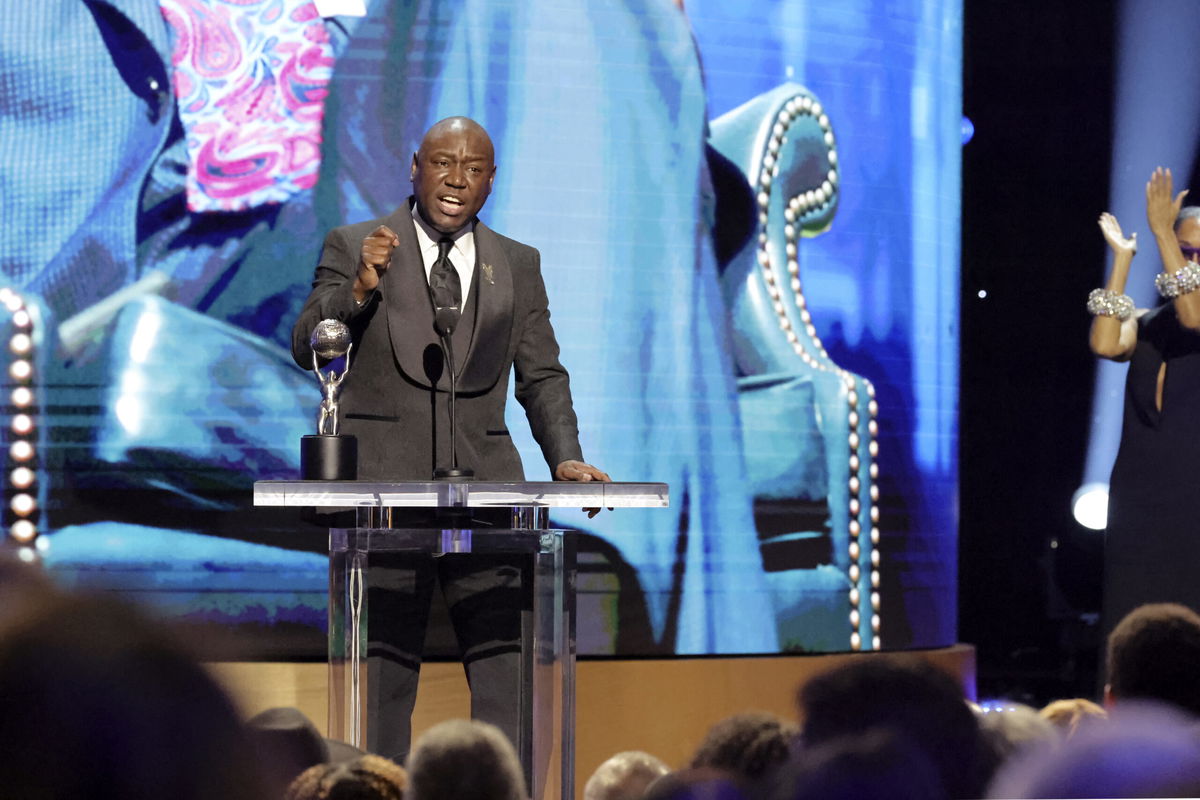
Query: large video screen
{"x":748,"y":219}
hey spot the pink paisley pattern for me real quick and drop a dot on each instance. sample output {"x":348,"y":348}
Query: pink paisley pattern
{"x":250,"y":78}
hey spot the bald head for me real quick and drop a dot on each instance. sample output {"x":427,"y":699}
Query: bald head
{"x":452,"y":173}
{"x":457,"y":126}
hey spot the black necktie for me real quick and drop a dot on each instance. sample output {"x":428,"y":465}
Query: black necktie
{"x":444,"y":283}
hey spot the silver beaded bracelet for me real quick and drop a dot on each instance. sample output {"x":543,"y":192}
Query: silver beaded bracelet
{"x":1107,"y":303}
{"x":1172,"y":284}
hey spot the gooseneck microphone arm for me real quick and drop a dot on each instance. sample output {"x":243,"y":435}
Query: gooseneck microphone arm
{"x":444,"y":322}
{"x":448,"y":345}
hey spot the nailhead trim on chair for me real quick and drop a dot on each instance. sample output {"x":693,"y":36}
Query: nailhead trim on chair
{"x":21,"y":501}
{"x":863,"y":544}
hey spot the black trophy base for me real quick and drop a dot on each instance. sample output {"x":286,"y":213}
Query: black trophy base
{"x":328,"y":457}
{"x":453,"y":474}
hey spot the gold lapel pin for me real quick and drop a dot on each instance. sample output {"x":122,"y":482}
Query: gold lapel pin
{"x":487,"y":274}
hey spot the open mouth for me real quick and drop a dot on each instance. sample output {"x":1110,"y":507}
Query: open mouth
{"x":450,"y":204}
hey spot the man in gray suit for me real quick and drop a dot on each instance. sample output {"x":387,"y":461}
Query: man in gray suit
{"x":376,"y":277}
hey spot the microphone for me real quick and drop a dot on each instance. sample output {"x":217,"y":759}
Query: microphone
{"x":445,"y":320}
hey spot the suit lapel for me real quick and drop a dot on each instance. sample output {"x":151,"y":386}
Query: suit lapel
{"x":406,"y":296}
{"x":493,"y":313}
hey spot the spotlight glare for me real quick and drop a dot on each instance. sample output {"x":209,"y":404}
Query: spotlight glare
{"x":1090,"y":506}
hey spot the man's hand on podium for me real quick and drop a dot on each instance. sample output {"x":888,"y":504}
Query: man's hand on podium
{"x":579,"y":471}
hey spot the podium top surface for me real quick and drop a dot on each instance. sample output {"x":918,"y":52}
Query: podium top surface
{"x":471,"y":494}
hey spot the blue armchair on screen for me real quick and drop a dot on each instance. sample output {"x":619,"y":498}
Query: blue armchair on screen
{"x":808,"y":425}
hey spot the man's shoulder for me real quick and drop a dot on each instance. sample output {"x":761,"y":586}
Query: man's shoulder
{"x":514,"y":249}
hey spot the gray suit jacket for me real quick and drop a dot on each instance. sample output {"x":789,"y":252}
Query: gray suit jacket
{"x":394,"y":399}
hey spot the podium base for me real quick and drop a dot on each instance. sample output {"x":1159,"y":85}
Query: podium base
{"x":325,"y":457}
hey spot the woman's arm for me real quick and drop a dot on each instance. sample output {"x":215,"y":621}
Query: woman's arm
{"x":1111,"y":336}
{"x":1179,"y":281}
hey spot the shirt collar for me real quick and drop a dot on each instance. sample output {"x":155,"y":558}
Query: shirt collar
{"x":427,"y":237}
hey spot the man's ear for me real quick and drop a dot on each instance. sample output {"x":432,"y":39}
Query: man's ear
{"x":412,"y":170}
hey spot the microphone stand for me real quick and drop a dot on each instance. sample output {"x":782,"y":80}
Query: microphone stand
{"x":444,"y":321}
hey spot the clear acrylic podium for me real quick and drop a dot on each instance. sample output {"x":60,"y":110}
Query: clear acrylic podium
{"x":546,"y":743}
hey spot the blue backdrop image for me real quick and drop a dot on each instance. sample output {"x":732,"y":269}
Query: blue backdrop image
{"x":748,"y":222}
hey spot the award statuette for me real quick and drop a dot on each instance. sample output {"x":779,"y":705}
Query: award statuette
{"x":329,"y":456}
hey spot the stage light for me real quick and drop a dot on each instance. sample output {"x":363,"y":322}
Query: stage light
{"x":20,"y":369}
{"x":1090,"y":505}
{"x":22,"y":424}
{"x":983,"y":294}
{"x":27,"y":554}
{"x":20,"y":343}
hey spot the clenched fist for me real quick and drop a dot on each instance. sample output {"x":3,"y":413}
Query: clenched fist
{"x":376,"y":257}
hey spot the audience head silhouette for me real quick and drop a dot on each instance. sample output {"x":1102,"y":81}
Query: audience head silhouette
{"x":97,"y":701}
{"x":1154,"y":654}
{"x":919,"y":703}
{"x":367,"y":777}
{"x":747,"y":745}
{"x":624,"y":776}
{"x":1143,"y":750}
{"x":465,"y":760}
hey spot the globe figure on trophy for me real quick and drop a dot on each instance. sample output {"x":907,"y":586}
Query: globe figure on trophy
{"x":329,"y":455}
